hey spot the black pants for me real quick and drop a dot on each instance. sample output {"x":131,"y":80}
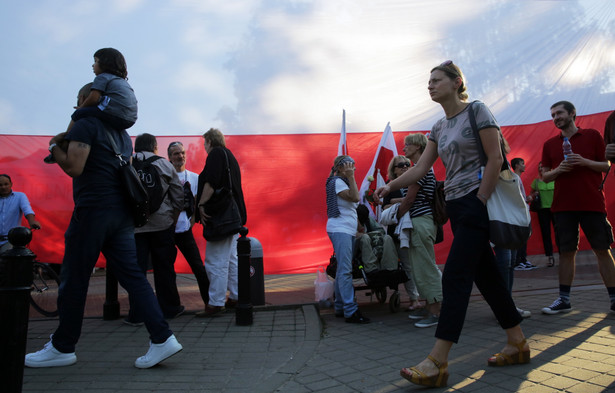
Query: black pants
{"x":187,"y":245}
{"x":471,"y":260}
{"x":545,"y":219}
{"x":160,"y":247}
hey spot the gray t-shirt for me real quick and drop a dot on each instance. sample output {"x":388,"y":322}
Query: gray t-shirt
{"x":458,"y":149}
{"x":118,"y":98}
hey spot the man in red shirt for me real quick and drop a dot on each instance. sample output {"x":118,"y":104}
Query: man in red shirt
{"x":577,"y":200}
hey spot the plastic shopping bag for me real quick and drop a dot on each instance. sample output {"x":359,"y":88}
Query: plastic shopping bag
{"x":323,"y":286}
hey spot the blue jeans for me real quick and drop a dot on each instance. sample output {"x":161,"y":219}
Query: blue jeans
{"x":343,"y":245}
{"x":471,"y":260}
{"x":505,"y":259}
{"x":94,"y":111}
{"x":109,"y":230}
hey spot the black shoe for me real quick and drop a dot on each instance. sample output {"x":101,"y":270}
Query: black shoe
{"x":339,"y":314}
{"x":179,"y":312}
{"x":129,"y":322}
{"x":49,"y":159}
{"x":357,"y":318}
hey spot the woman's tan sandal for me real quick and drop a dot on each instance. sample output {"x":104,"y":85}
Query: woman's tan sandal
{"x":418,"y":377}
{"x":502,"y":359}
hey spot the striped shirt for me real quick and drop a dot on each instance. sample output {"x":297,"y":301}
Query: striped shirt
{"x":422,"y":204}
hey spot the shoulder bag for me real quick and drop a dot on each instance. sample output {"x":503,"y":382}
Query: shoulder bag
{"x":224,"y":217}
{"x":509,"y":216}
{"x":134,"y":191}
{"x":536,"y":204}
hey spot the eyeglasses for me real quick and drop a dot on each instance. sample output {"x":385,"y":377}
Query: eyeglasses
{"x":403,"y":165}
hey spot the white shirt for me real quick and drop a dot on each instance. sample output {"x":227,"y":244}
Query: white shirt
{"x":347,"y":220}
{"x":183,"y":222}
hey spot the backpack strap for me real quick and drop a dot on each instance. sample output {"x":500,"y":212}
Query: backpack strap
{"x":151,"y":159}
{"x":114,"y":147}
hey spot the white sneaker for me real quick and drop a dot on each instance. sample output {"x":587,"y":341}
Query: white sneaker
{"x":524,"y":313}
{"x":159,"y":352}
{"x":50,"y":357}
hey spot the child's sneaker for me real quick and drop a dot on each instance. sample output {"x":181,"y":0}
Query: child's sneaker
{"x":50,"y":159}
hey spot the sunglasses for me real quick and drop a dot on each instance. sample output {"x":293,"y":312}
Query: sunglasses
{"x":403,"y":165}
{"x":176,"y":143}
{"x":446,"y":67}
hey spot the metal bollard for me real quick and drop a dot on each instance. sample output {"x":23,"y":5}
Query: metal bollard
{"x":243,"y":312}
{"x":111,"y":308}
{"x":15,"y":284}
{"x":257,"y":277}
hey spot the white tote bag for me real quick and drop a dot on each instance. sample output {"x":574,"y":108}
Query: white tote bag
{"x":509,"y":216}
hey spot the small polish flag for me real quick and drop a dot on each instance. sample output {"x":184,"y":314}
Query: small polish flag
{"x":378,"y":171}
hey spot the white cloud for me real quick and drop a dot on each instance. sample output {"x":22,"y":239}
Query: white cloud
{"x":8,"y":118}
{"x":199,"y":78}
{"x":126,"y":6}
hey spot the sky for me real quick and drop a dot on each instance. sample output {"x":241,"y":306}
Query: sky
{"x":287,"y":67}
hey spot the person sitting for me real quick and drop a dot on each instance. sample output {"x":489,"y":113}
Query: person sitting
{"x":375,"y":247}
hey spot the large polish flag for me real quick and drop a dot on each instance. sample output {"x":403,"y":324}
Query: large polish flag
{"x":375,"y":176}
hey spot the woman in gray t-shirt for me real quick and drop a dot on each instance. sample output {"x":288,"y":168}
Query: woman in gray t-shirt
{"x":471,"y":259}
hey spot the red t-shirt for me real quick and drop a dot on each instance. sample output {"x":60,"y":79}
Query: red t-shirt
{"x":579,"y":188}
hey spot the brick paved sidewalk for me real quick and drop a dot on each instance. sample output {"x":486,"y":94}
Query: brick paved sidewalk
{"x":291,"y":349}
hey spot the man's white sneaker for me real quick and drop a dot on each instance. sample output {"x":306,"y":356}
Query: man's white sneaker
{"x":159,"y":352}
{"x":50,"y":357}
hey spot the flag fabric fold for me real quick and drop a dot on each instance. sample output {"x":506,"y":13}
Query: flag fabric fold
{"x":378,"y":171}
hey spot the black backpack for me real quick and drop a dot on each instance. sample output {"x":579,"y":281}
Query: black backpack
{"x":150,"y":178}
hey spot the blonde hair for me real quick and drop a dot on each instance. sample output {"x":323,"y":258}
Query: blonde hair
{"x":452,"y":71}
{"x":394,"y":161}
{"x":417,"y":139}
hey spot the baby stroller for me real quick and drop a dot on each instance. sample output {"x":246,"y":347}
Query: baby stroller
{"x":376,"y":265}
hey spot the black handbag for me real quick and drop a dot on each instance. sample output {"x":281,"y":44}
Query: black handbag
{"x":224,"y":217}
{"x":440,"y":217}
{"x":535,"y":205}
{"x":134,"y":191}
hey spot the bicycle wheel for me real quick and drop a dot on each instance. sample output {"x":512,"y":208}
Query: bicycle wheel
{"x":44,"y":292}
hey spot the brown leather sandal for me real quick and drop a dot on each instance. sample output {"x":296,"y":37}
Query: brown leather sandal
{"x":502,"y":359}
{"x":418,"y":377}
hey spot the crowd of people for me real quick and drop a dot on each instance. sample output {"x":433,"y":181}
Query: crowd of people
{"x":568,"y":193}
{"x":568,"y":189}
{"x":91,"y":152}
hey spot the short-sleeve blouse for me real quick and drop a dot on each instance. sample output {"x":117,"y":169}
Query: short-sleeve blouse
{"x":458,"y":149}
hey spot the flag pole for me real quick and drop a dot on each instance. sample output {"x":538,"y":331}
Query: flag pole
{"x":342,"y":148}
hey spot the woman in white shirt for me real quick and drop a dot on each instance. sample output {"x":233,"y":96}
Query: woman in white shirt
{"x":342,"y":200}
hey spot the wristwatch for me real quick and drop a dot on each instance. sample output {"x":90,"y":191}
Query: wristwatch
{"x":52,"y":146}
